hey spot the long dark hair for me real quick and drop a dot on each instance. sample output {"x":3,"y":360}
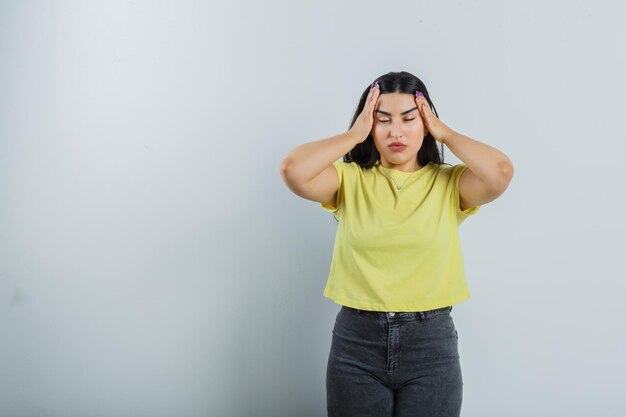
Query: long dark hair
{"x":365,"y":153}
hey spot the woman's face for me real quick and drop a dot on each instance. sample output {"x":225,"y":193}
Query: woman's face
{"x":397,"y":119}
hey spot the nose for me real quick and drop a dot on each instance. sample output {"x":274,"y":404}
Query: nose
{"x":395,"y":130}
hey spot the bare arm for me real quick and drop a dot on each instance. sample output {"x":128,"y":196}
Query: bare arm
{"x":307,"y":161}
{"x":308,"y":169}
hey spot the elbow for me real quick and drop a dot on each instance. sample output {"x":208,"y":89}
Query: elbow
{"x":286,"y":172}
{"x":282,"y":169}
{"x":505,"y":168}
{"x":284,"y":164}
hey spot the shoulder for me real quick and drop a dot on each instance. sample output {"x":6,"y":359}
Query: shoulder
{"x":347,"y":165}
{"x":349,"y":168}
{"x":449,"y":171}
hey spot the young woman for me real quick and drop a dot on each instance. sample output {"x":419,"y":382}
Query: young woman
{"x":397,"y":266}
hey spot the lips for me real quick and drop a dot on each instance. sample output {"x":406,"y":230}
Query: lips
{"x":397,"y":146}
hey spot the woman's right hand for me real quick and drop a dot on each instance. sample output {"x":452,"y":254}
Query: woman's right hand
{"x":363,"y":124}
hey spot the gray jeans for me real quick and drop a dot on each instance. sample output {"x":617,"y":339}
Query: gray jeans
{"x":387,"y":364}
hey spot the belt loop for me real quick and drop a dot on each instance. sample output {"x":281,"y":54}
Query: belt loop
{"x":450,"y":308}
{"x":422,"y":314}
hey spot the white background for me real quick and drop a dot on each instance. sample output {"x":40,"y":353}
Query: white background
{"x":153,"y":263}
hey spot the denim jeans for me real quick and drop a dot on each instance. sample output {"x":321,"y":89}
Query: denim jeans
{"x":385,"y":364}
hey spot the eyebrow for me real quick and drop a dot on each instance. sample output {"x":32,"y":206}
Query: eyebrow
{"x":401,"y":114}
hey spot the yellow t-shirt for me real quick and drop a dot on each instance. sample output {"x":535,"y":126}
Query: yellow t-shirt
{"x":397,"y":250}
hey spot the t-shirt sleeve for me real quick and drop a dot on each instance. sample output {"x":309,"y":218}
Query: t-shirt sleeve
{"x":457,"y":171}
{"x":334,"y":207}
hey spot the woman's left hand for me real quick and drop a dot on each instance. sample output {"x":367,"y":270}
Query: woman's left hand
{"x":432,"y":124}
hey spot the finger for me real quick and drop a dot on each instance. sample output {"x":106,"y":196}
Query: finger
{"x":418,"y":98}
{"x":375,"y":95}
{"x":424,"y":103}
{"x":371,"y":100}
{"x":373,"y":90}
{"x":418,"y":101}
{"x":374,"y":102}
{"x":368,"y":102}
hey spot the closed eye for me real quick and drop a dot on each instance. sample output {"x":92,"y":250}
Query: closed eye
{"x":386,"y":121}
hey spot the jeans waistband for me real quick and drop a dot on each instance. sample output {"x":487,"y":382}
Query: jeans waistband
{"x":403,"y":314}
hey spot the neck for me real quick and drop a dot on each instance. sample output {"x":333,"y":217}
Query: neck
{"x":409,"y":167}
